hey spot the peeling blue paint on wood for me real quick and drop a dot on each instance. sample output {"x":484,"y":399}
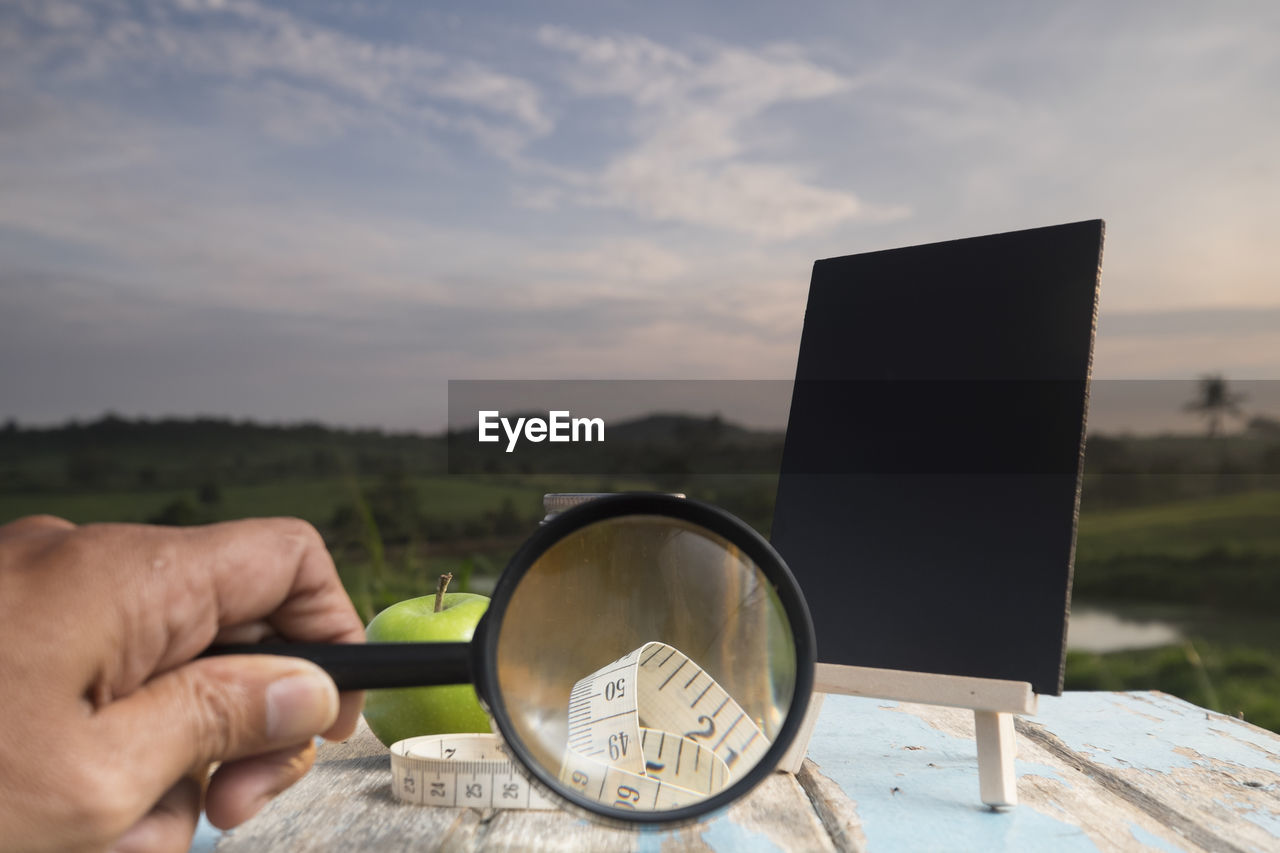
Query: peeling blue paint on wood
{"x":915,"y":787}
{"x":1146,"y":839}
{"x":650,"y":842}
{"x":719,"y":832}
{"x":730,"y":837}
{"x":1110,"y":771}
{"x":1155,"y":732}
{"x":1270,"y":821}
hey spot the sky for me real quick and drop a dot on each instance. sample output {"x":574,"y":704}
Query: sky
{"x":325,"y":211}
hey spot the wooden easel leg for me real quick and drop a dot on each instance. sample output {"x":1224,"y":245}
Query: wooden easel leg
{"x":996,"y":746}
{"x":794,"y":756}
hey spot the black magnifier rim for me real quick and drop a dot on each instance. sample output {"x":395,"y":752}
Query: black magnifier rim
{"x":711,"y":518}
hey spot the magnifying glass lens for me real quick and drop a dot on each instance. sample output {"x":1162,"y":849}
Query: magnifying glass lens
{"x":645,"y":662}
{"x":645,"y":657}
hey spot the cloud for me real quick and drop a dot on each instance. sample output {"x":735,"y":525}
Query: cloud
{"x":83,"y":345}
{"x":230,"y":43}
{"x":626,"y":260}
{"x":692,"y":155}
{"x":1244,"y":343}
{"x":1263,"y":319}
{"x":225,"y":199}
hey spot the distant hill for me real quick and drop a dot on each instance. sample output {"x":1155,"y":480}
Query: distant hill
{"x":115,"y":453}
{"x":674,"y":428}
{"x":120,"y":454}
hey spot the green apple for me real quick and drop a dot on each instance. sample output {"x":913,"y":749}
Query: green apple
{"x":405,"y":712}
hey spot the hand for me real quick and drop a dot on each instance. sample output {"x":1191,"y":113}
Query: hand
{"x":108,"y":723}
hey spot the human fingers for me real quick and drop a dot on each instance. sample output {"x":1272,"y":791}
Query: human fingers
{"x":245,"y":633}
{"x":205,"y":579}
{"x":34,"y":524}
{"x":127,"y":607}
{"x":278,"y":570}
{"x":169,"y":826}
{"x":213,"y":709}
{"x":239,"y":789}
{"x":260,"y":631}
{"x":311,"y":607}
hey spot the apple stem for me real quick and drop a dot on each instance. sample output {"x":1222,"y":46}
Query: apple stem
{"x":440,"y":588}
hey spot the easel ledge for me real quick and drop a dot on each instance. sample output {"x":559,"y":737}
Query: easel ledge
{"x":994,"y":701}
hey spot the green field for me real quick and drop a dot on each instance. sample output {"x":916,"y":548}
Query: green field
{"x":394,"y":521}
{"x":1236,"y":523}
{"x":1219,"y":552}
{"x":443,"y":497}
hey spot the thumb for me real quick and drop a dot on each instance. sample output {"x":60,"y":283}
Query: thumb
{"x":216,"y":709}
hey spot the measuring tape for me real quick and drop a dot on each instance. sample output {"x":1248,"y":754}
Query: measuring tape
{"x":461,"y":770}
{"x":652,"y":730}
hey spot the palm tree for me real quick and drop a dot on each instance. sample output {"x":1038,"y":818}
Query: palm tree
{"x":1215,"y":400}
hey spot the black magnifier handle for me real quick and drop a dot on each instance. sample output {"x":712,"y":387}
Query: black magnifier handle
{"x":370,"y":666}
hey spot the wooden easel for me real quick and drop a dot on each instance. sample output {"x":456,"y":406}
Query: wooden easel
{"x":993,"y":701}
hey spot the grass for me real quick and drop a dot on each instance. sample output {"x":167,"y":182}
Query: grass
{"x":443,"y":497}
{"x":1220,"y":551}
{"x":1240,"y":523}
{"x":84,"y":508}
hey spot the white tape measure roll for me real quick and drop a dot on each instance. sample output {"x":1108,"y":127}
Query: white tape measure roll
{"x":652,"y":730}
{"x":461,"y":770}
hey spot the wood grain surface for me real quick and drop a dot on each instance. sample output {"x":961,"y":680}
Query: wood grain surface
{"x":345,"y":803}
{"x":1096,"y":771}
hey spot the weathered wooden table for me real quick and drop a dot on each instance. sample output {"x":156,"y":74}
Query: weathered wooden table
{"x":1107,"y":771}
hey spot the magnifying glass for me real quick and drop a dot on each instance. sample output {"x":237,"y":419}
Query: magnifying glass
{"x":645,"y":657}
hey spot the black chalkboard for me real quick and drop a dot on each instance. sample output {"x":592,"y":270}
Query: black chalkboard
{"x":931,"y":475}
